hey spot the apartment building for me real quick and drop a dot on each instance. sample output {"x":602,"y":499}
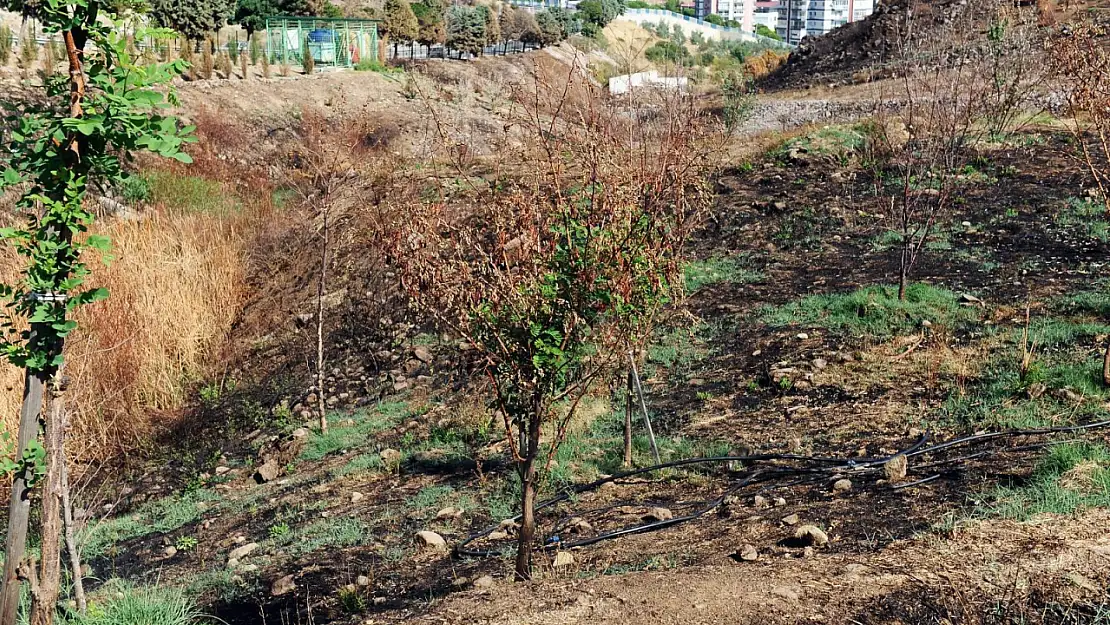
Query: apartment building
{"x":800,"y":18}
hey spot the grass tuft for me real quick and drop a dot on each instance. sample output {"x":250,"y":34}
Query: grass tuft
{"x":874,"y":311}
{"x":1055,"y":487}
{"x":720,"y":269}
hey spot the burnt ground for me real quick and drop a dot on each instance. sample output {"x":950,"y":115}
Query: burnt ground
{"x":802,"y":225}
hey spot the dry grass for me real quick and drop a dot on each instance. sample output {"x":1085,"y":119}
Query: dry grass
{"x":177,"y":284}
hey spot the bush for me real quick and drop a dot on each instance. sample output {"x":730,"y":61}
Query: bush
{"x":5,"y":44}
{"x":763,"y":31}
{"x":667,"y":52}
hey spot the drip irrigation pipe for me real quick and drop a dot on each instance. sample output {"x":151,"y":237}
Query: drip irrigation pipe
{"x":813,"y":474}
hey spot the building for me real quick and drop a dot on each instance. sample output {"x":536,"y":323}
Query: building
{"x":800,"y":18}
{"x":742,"y":11}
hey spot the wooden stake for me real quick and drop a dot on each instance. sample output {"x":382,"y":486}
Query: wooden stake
{"x":643,"y":407}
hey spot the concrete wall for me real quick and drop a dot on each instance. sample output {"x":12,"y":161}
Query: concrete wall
{"x":690,"y":25}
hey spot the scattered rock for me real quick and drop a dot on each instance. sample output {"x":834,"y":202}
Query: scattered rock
{"x":170,"y":551}
{"x":562,"y":559}
{"x":580,"y":526}
{"x":925,"y":323}
{"x":283,"y":586}
{"x":422,"y":354}
{"x":222,"y":470}
{"x":1067,"y":395}
{"x":808,"y":552}
{"x":802,"y":336}
{"x":485,"y":581}
{"x":498,"y":535}
{"x":842,"y":485}
{"x":748,"y":553}
{"x":791,"y":520}
{"x":248,"y":568}
{"x":431,"y":540}
{"x":659,"y":514}
{"x":362,"y":580}
{"x":300,"y":433}
{"x":812,"y":535}
{"x":779,"y":502}
{"x":1035,"y":390}
{"x":239,"y":553}
{"x":760,"y":501}
{"x":357,"y":497}
{"x":968,"y":298}
{"x":449,"y":514}
{"x":268,"y":471}
{"x":820,"y":363}
{"x":508,"y":526}
{"x":895,"y":468}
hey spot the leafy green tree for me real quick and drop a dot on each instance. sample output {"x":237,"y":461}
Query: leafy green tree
{"x":551,"y":28}
{"x":667,"y":52}
{"x":493,"y":26}
{"x":525,"y":27}
{"x":192,"y":18}
{"x":252,"y":14}
{"x":466,"y":29}
{"x":570,"y":21}
{"x":763,"y":31}
{"x":430,"y":19}
{"x":77,"y":135}
{"x":398,"y":23}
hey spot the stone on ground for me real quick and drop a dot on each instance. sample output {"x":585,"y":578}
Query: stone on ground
{"x":431,"y":540}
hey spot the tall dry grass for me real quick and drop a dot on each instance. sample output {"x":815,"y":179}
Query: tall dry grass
{"x":176,"y":281}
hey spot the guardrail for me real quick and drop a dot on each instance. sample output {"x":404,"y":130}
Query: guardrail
{"x":744,"y":34}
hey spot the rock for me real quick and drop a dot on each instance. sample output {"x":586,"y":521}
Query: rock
{"x":812,"y":535}
{"x":300,"y":433}
{"x":779,"y":502}
{"x":808,"y":552}
{"x":802,"y":336}
{"x":1067,"y":395}
{"x":170,"y":551}
{"x":485,"y":581}
{"x":423,"y":354}
{"x":820,"y":363}
{"x":780,"y":205}
{"x":498,"y":535}
{"x":658,"y":514}
{"x":791,"y":520}
{"x":786,"y":592}
{"x":239,"y":553}
{"x":580,"y":526}
{"x":357,"y":497}
{"x":748,"y":553}
{"x":1035,"y":390}
{"x":508,"y":526}
{"x":925,"y":323}
{"x":431,"y":540}
{"x":449,"y":514}
{"x":222,"y":470}
{"x":283,"y":586}
{"x":842,"y":485}
{"x":895,"y":468}
{"x":562,"y":559}
{"x":968,"y":298}
{"x":362,"y":580}
{"x":760,"y":501}
{"x":391,"y":457}
{"x":268,"y":471}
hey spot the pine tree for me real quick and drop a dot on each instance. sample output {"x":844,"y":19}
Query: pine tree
{"x":431,"y":18}
{"x":493,"y":26}
{"x":193,"y":18}
{"x":308,"y":63}
{"x":256,"y":50}
{"x":398,"y":21}
{"x":207,"y":61}
{"x":466,"y":29}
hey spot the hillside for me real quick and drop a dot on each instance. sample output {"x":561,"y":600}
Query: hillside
{"x":829,"y":450}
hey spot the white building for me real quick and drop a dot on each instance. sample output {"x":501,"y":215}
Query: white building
{"x":743,"y":11}
{"x":800,"y":18}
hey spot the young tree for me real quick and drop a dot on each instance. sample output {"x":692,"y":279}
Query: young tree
{"x":77,"y":135}
{"x":308,"y":61}
{"x":398,"y":22}
{"x":195,"y":19}
{"x":493,"y":26}
{"x":6,"y":42}
{"x":430,"y":19}
{"x":525,"y":27}
{"x":552,"y":275}
{"x":466,"y":29}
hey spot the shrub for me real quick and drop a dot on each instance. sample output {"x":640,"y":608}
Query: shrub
{"x":6,"y":43}
{"x":667,"y":52}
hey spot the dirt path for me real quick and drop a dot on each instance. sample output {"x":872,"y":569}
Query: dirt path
{"x":1018,"y":567}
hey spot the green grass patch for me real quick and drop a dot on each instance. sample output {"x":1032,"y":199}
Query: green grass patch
{"x":838,"y":141}
{"x":720,"y":269}
{"x":188,"y":194}
{"x":120,"y":603}
{"x":1070,"y":478}
{"x":1088,"y":215}
{"x":873,"y":311}
{"x":320,"y":534}
{"x":678,"y":349}
{"x":360,"y":465}
{"x":160,"y":516}
{"x":365,"y":424}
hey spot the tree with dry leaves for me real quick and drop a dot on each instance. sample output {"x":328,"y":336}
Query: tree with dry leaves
{"x":550,"y":273}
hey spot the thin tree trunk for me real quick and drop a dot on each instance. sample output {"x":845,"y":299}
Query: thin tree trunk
{"x":527,"y":525}
{"x":320,"y":323}
{"x":904,"y":271}
{"x":19,"y":511}
{"x":71,"y":544}
{"x":50,"y":573}
{"x":628,"y":408}
{"x":1106,"y":366}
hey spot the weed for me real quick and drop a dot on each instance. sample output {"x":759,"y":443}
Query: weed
{"x":368,"y":65}
{"x":278,"y":530}
{"x":361,"y":464}
{"x":729,"y":269}
{"x":327,"y":533}
{"x":189,"y":194}
{"x":874,"y":311}
{"x":1071,"y":477}
{"x":160,"y":516}
{"x":430,"y":497}
{"x":118,"y":603}
{"x":185,"y":543}
{"x":1086,"y":214}
{"x":351,"y":600}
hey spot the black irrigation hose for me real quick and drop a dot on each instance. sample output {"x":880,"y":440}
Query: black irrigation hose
{"x":855,"y":465}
